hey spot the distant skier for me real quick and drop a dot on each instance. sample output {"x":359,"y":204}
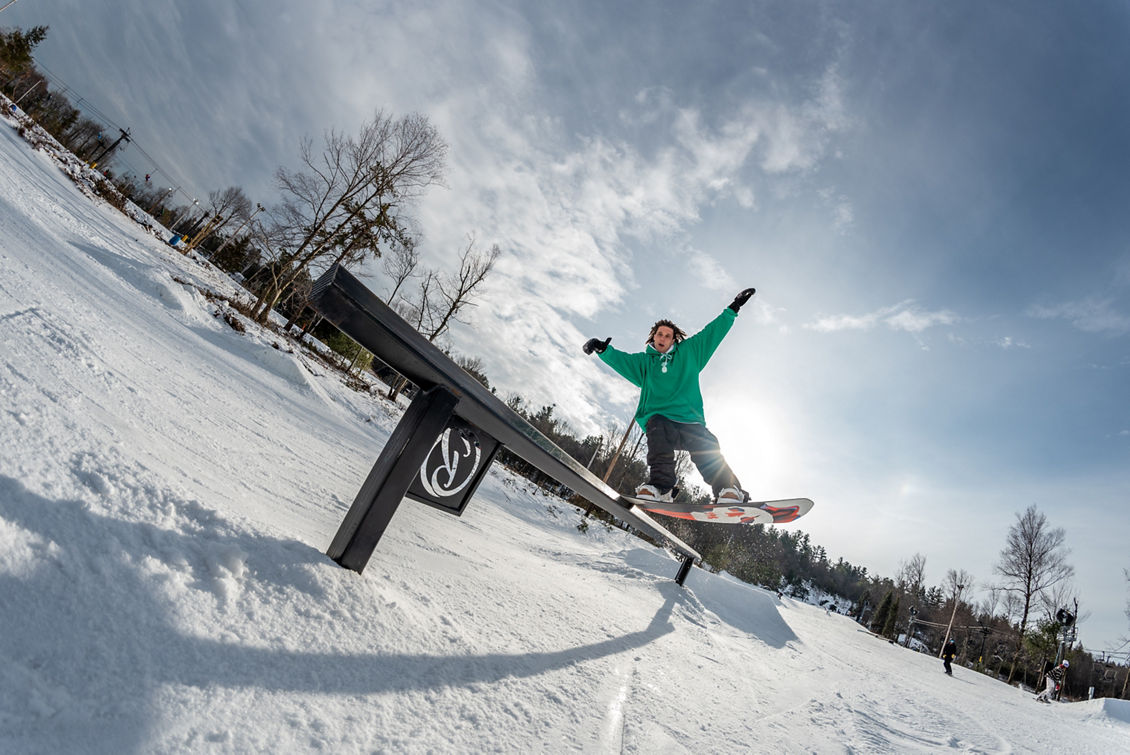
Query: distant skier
{"x":670,"y":406}
{"x":948,"y":654}
{"x":1054,"y":680}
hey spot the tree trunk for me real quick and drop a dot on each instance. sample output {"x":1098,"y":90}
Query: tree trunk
{"x":397,"y":386}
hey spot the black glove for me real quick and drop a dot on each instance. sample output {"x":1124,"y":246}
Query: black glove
{"x":741,"y":299}
{"x":597,"y":345}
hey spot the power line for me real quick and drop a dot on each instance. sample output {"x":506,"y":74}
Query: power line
{"x":90,"y":107}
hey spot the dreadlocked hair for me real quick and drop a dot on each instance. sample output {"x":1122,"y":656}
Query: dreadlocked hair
{"x":679,"y":334}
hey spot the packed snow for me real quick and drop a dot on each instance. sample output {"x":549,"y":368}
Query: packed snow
{"x":169,"y":486}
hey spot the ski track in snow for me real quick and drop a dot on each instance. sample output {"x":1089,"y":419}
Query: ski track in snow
{"x":167,"y":491}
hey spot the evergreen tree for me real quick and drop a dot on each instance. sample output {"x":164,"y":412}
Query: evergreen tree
{"x":892,"y":620}
{"x":879,"y":620}
{"x":861,"y":606}
{"x":16,"y":47}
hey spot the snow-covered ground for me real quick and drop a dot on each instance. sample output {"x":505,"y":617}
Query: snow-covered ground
{"x":168,"y":488}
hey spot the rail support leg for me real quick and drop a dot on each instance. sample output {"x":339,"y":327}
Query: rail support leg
{"x":392,"y":475}
{"x":684,"y":570}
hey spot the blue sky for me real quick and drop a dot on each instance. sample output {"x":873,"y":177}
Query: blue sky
{"x":930,"y":199}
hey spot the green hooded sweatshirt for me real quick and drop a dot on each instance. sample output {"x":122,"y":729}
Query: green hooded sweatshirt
{"x":669,"y":382}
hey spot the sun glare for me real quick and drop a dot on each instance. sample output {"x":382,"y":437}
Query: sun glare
{"x":757,"y":443}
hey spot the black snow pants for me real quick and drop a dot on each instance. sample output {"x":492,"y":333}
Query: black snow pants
{"x":665,"y":437}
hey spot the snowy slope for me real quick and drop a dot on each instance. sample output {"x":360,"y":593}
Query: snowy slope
{"x":168,"y":487}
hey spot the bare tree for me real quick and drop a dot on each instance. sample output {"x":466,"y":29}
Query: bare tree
{"x":229,"y":203}
{"x":82,"y":137}
{"x":452,"y":293}
{"x":347,"y":200}
{"x":988,"y":607}
{"x":958,"y":581}
{"x":911,"y":576}
{"x":415,"y":312}
{"x":271,"y":240}
{"x":53,"y":111}
{"x":442,"y":298}
{"x":400,"y":265}
{"x":1061,"y":595}
{"x":473,"y":366}
{"x":1126,"y":573}
{"x":1034,"y":560}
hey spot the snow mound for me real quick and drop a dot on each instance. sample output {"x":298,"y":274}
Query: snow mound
{"x":1117,"y":709}
{"x":1107,"y":708}
{"x":289,"y":367}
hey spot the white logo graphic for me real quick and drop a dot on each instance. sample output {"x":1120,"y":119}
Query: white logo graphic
{"x":446,"y":473}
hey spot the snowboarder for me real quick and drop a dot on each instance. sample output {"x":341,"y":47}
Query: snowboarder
{"x":670,"y":406}
{"x":948,"y":654}
{"x":1054,"y":680}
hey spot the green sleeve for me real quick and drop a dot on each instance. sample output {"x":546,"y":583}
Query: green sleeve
{"x":703,"y":343}
{"x":628,"y":366}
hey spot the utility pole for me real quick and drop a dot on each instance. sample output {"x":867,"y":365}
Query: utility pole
{"x":1066,"y":620}
{"x":191,"y":232}
{"x":985,"y":631}
{"x":956,"y":600}
{"x":619,"y":449}
{"x":30,"y":89}
{"x":160,"y":198}
{"x":183,"y":213}
{"x":611,"y":463}
{"x":125,"y":136}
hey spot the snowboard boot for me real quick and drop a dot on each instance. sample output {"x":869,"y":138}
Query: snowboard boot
{"x":732,"y":496}
{"x":652,"y":493}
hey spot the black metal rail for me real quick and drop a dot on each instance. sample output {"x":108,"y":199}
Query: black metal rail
{"x":446,"y":391}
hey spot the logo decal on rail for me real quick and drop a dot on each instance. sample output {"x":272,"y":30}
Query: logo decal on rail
{"x":452,"y":463}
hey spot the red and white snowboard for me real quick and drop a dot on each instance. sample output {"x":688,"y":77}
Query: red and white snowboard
{"x":750,"y":512}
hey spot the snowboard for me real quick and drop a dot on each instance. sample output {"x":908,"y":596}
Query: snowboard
{"x":750,"y":512}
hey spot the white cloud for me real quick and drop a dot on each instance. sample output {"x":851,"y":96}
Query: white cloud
{"x":565,"y":217}
{"x":796,"y":138}
{"x":766,"y":314}
{"x":1008,"y":342}
{"x":709,"y":271}
{"x":843,"y":213}
{"x":745,"y":197}
{"x":1091,"y":315}
{"x":905,"y":316}
{"x":914,"y":320}
{"x":834,"y":323}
